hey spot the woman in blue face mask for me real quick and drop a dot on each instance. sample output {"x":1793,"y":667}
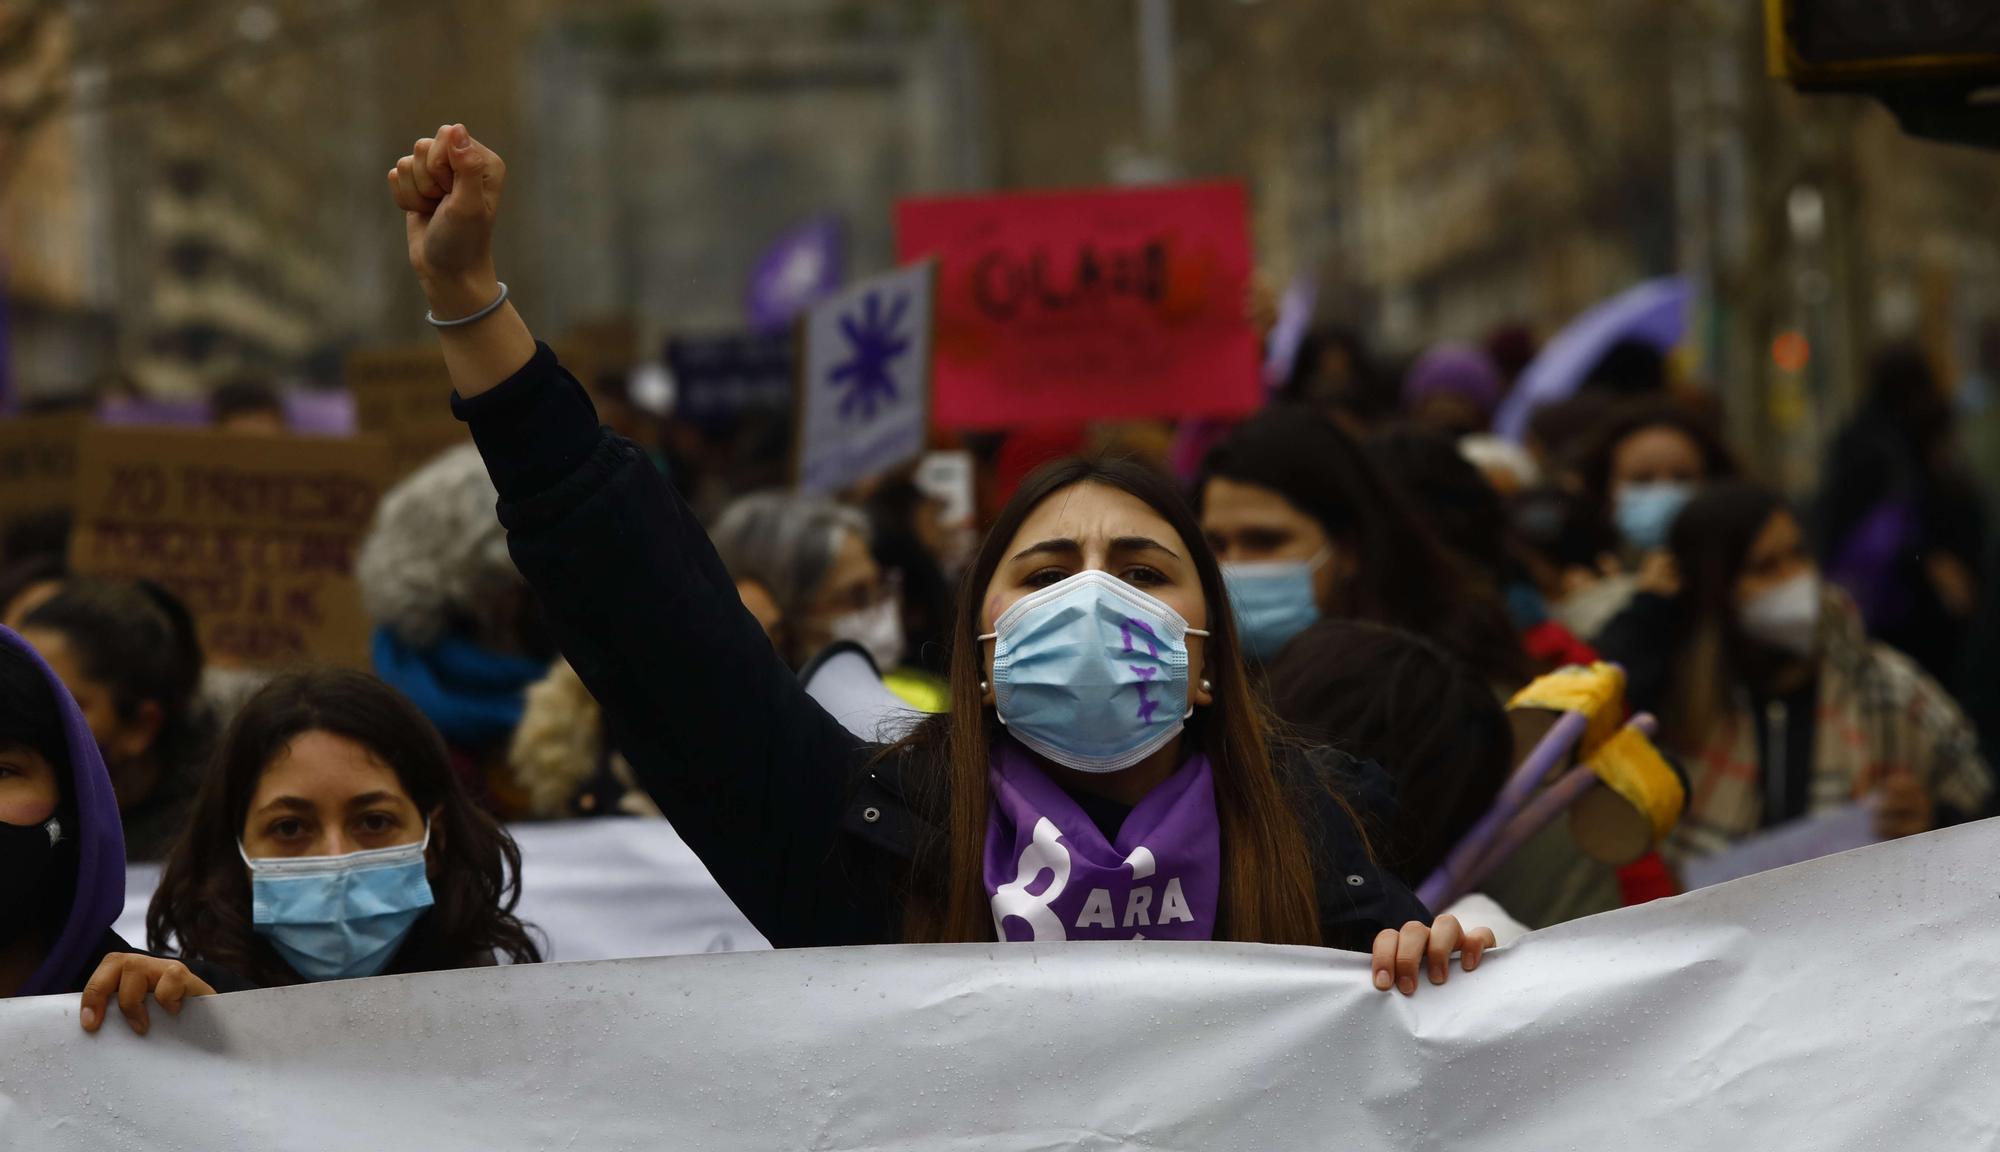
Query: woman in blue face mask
{"x":1642,"y":466}
{"x":1308,"y":528}
{"x":1103,"y":770}
{"x":1646,"y":463}
{"x":331,"y":841}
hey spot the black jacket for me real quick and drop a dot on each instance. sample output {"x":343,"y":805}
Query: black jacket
{"x":1641,"y":639}
{"x":1877,"y":458}
{"x":806,"y":827}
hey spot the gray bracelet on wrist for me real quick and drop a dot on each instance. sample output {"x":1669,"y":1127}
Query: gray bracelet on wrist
{"x":482,"y":314}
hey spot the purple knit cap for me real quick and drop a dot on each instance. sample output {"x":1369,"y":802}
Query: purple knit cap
{"x":100,"y":868}
{"x":1459,"y":370}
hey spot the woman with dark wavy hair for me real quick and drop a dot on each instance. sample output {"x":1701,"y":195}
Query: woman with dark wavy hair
{"x":331,"y":841}
{"x":1309,"y":528}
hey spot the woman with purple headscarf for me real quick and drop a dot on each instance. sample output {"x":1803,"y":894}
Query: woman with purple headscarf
{"x":62,"y":849}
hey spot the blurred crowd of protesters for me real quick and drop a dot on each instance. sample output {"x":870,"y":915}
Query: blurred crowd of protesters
{"x":1395,"y":572}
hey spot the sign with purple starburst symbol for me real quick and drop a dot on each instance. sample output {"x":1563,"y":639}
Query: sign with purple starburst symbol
{"x":865,"y":404}
{"x":867,"y":376}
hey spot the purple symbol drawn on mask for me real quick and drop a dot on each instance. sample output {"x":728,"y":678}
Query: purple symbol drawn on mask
{"x":1147,"y":705}
{"x":1147,"y":636}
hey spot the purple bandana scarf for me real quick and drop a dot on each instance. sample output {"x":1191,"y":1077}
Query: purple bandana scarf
{"x":1053,"y":876}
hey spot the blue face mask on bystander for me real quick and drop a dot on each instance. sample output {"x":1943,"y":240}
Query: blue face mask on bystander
{"x":339,"y":917}
{"x":1646,"y":512}
{"x":1273,"y":602}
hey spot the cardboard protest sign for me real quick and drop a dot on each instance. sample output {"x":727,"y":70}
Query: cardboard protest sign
{"x":404,"y":393}
{"x":37,"y":463}
{"x":1057,"y":307}
{"x":256,"y":534}
{"x":864,"y":395}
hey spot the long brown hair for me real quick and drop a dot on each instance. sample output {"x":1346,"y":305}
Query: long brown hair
{"x":1267,"y":895}
{"x":1404,"y":575}
{"x":203,"y":901}
{"x":1711,"y":542}
{"x":1379,"y":693}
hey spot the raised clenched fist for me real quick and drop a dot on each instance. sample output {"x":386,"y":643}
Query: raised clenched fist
{"x":449,"y":190}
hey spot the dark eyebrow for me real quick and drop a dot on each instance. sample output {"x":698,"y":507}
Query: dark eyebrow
{"x":1141,"y":544}
{"x":289,"y":803}
{"x":1072,"y":548}
{"x":367,"y":798}
{"x":1050,"y":547}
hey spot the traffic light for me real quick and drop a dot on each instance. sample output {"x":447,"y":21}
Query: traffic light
{"x":1932,"y":62}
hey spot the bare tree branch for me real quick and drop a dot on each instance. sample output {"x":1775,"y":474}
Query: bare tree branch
{"x":128,"y":83}
{"x":21,"y":35}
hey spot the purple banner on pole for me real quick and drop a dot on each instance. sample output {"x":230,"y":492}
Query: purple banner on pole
{"x":1653,"y":313}
{"x":1288,"y":332}
{"x":316,"y":412}
{"x":802,"y":266}
{"x":145,"y":412}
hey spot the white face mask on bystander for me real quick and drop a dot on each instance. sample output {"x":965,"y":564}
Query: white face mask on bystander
{"x":878,"y":629}
{"x":1786,"y":617}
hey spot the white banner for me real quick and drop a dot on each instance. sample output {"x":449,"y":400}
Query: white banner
{"x":600,"y":889}
{"x":1851,"y":1003}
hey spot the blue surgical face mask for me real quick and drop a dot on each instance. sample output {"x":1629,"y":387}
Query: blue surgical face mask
{"x":1646,"y":512}
{"x":1091,"y":672}
{"x":339,"y":917}
{"x":1273,"y":602}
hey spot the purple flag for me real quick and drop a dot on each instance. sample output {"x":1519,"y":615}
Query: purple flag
{"x":320,"y":412}
{"x":801,"y":266}
{"x":1655,"y":312}
{"x":147,"y":412}
{"x":1288,"y":332}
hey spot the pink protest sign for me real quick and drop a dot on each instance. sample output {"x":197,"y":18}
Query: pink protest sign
{"x":1088,"y":305}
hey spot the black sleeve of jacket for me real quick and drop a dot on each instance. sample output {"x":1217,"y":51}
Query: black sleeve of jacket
{"x":223,"y":980}
{"x":1358,"y":897}
{"x":749,"y":769}
{"x":106,"y":944}
{"x":1641,"y":640}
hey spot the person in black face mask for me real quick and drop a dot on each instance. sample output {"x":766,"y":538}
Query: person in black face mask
{"x":62,"y":850}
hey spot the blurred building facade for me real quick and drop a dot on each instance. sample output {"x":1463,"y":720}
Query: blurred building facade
{"x":213,"y":180}
{"x":54,"y":237}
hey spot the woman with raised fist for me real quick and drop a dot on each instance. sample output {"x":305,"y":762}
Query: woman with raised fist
{"x":1104,"y":771}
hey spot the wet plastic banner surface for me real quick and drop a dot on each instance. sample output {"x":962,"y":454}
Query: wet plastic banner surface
{"x":1848,"y":1003}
